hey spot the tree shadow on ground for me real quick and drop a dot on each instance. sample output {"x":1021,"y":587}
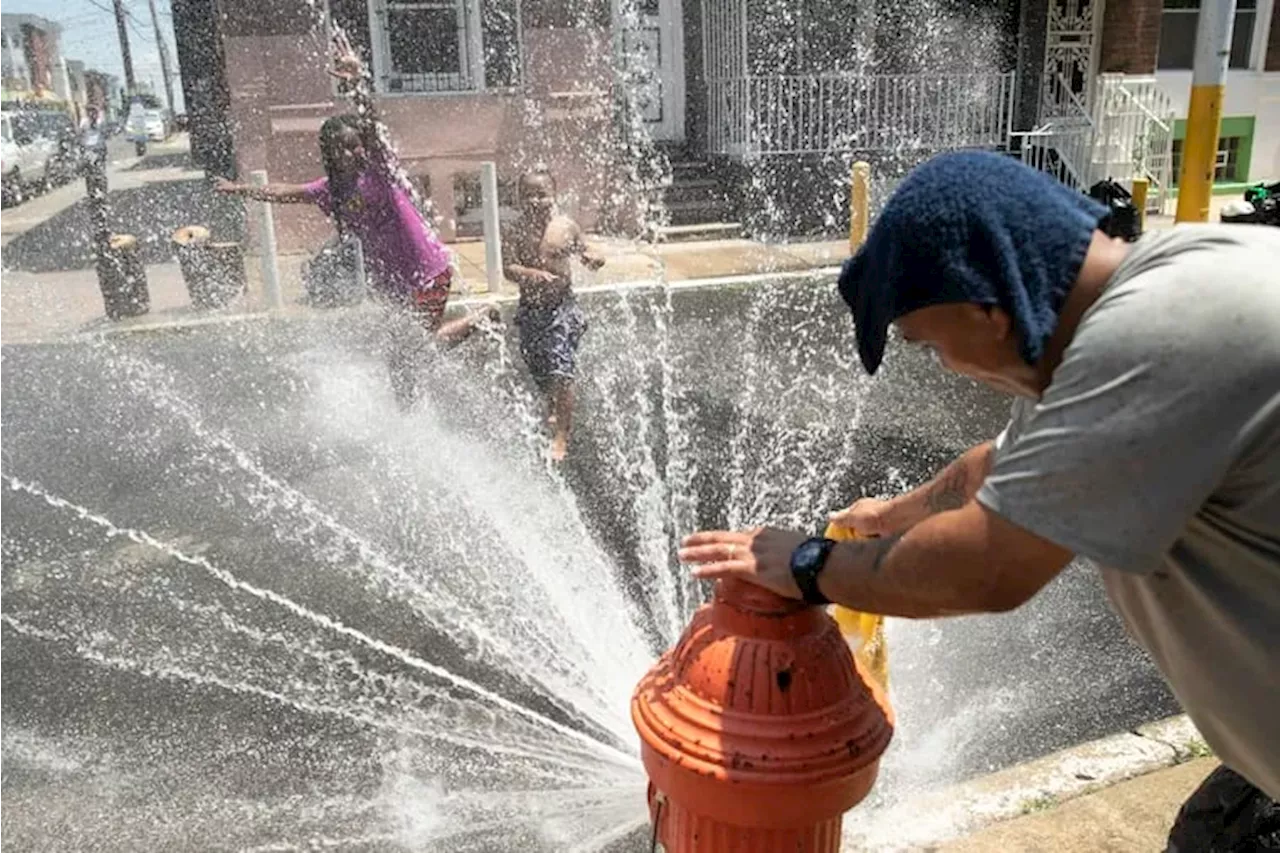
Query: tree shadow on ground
{"x":174,"y":160}
{"x":151,"y":213}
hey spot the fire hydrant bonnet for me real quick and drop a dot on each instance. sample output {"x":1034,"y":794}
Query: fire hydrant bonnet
{"x":758,"y":720}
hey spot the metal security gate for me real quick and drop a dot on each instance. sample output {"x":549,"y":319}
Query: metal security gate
{"x":724,"y":65}
{"x":1072,"y":37}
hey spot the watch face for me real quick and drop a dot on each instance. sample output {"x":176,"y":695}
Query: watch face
{"x":808,"y":554}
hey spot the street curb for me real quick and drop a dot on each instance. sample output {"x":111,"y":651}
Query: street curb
{"x":922,"y":822}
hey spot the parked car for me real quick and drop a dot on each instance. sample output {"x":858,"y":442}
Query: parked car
{"x":39,"y":151}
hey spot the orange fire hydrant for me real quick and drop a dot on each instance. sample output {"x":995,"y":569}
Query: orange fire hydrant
{"x":758,"y":730}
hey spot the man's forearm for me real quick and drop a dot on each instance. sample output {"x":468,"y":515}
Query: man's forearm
{"x":867,"y":575}
{"x":952,"y":488}
{"x":967,"y":561}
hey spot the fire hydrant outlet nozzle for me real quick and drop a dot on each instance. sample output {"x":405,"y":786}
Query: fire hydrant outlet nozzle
{"x":758,"y":728}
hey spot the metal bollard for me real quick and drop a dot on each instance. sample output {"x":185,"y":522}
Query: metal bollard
{"x":1204,"y":110}
{"x":1139,"y":192}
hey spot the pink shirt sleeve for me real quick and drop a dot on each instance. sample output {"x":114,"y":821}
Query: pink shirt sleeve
{"x":317,"y":192}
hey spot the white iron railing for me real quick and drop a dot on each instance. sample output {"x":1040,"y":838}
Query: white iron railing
{"x":1064,"y":145}
{"x":1061,"y":148}
{"x":816,"y":113}
{"x":1135,"y":121}
{"x":1127,"y":135}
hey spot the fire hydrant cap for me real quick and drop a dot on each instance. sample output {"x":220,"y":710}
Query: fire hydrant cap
{"x":758,"y":716}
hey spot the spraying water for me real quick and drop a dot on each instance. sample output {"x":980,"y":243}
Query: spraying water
{"x":251,"y":605}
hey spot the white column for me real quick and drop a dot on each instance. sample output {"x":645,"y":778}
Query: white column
{"x":492,"y":226}
{"x":1261,"y":30}
{"x":267,"y":237}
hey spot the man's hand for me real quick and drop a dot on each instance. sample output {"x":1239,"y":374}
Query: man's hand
{"x":761,"y":556}
{"x":868,"y":516}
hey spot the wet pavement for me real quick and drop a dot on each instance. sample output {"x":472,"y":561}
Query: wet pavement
{"x":150,"y":702}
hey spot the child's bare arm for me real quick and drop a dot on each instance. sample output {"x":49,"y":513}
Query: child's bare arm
{"x":516,"y":272}
{"x":521,"y":274}
{"x":589,"y":259}
{"x":278,"y":193}
{"x":354,"y":81}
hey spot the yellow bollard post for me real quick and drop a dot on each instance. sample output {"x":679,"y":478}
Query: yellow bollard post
{"x":1208,"y":81}
{"x":859,"y":204}
{"x":1139,"y":193}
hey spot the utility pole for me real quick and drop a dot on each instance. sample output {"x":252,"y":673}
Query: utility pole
{"x":129,"y":83}
{"x":163,"y":47}
{"x":1208,"y":83}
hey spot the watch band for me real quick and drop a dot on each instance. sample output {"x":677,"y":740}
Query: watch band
{"x":807,"y":562}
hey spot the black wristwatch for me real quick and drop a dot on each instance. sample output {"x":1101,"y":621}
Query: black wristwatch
{"x":807,"y":562}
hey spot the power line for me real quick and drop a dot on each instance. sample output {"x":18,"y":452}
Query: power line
{"x":128,"y":14}
{"x":97,"y":5}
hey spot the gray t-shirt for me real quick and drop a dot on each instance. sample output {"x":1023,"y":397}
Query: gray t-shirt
{"x":1155,"y":452}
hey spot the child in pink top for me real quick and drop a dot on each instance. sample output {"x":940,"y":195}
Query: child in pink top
{"x":407,"y":264}
{"x":405,"y":260}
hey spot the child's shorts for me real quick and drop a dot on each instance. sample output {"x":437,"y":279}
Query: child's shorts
{"x":428,"y":303}
{"x":549,"y":338}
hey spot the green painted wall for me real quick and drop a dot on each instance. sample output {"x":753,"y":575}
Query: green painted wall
{"x":1241,"y":126}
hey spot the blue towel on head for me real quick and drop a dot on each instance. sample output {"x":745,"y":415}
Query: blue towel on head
{"x":977,"y":227}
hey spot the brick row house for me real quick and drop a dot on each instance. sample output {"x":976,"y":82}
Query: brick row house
{"x":715,"y":99}
{"x":733,"y":113}
{"x":34,"y":68}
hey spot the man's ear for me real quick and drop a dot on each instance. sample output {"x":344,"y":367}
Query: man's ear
{"x":1000,"y":321}
{"x":992,"y":317}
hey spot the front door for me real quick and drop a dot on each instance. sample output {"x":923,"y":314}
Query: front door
{"x":654,"y":49}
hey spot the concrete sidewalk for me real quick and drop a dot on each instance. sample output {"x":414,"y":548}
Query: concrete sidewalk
{"x":1118,"y":794}
{"x":1129,"y":817}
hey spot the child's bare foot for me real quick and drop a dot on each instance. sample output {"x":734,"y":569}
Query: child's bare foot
{"x":559,"y":448}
